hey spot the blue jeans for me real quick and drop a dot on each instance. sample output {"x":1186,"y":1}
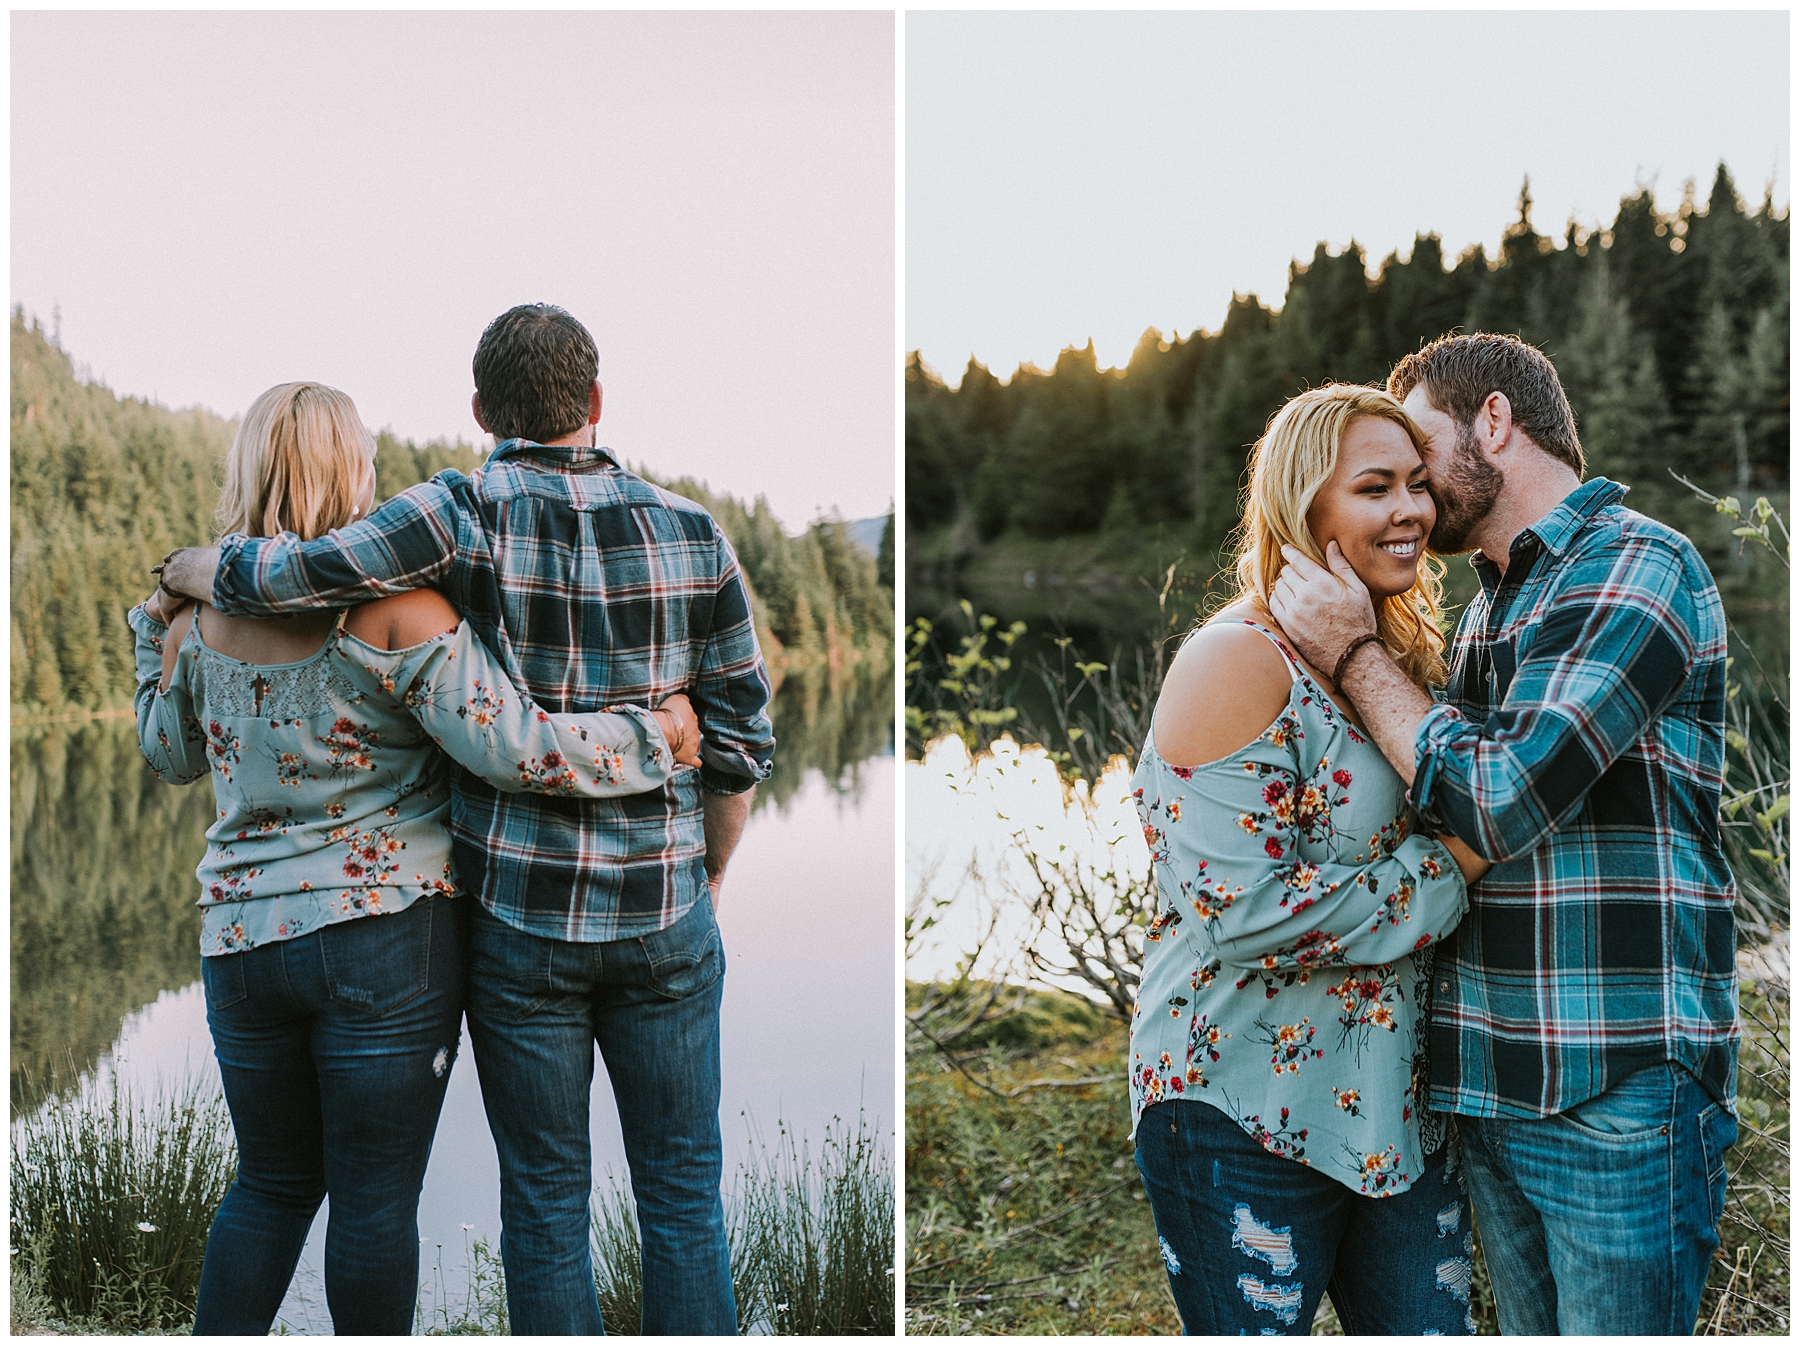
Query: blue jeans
{"x":335,"y":1049}
{"x":1601,"y":1220}
{"x":538,"y":1007}
{"x":1251,"y":1240}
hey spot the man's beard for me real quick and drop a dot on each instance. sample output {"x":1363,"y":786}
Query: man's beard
{"x":1465,"y":493}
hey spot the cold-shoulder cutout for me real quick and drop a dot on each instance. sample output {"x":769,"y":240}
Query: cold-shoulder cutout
{"x":1226,"y":686}
{"x":400,"y":621}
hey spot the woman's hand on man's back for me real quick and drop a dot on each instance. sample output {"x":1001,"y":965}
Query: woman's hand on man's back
{"x":681,"y":727}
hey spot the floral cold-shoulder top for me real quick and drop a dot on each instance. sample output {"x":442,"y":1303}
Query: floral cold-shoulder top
{"x":1287,"y":973}
{"x":333,"y":795}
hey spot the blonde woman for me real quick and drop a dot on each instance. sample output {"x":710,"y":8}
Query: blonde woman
{"x":332,"y":934}
{"x":1278,"y":1054}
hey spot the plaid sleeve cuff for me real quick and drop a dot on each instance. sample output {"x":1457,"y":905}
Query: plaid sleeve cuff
{"x":717,"y":782}
{"x":1430,"y":742}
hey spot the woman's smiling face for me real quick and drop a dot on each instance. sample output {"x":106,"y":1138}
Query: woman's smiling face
{"x":1375,"y":506}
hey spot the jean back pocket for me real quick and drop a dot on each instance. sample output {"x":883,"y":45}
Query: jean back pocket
{"x":378,"y":963}
{"x":222,"y":979}
{"x":687,"y":957}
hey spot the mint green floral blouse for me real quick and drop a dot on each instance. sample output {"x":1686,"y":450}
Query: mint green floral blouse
{"x":1287,"y":974}
{"x":333,"y":796}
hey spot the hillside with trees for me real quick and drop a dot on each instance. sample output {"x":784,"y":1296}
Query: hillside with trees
{"x":103,"y":486}
{"x":1669,"y":330}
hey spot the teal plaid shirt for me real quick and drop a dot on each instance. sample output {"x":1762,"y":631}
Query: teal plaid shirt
{"x":592,"y":588}
{"x":1580,"y":746}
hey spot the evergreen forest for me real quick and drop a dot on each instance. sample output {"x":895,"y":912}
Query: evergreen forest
{"x":104,"y":485}
{"x":1669,"y":331}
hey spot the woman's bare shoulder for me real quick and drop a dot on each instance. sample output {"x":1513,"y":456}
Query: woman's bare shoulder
{"x":1227,"y":685}
{"x":401,"y":620}
{"x":172,"y":638}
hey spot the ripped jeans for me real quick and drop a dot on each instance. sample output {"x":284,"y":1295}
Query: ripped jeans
{"x":1251,"y":1240}
{"x":335,"y":1048}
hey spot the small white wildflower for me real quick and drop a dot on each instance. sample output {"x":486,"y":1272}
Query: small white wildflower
{"x":146,"y":1227}
{"x":467,"y":1226}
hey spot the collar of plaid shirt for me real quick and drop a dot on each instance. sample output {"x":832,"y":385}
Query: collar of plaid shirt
{"x":1557,"y":529}
{"x":566,"y":457}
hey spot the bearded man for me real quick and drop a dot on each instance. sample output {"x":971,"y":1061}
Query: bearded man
{"x":1584,"y":1021}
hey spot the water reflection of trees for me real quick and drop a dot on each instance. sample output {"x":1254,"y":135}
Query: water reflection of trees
{"x":103,"y":915}
{"x":832,"y":726}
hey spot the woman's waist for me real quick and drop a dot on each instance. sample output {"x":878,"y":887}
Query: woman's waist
{"x":1319,"y":1010}
{"x":271,"y":855}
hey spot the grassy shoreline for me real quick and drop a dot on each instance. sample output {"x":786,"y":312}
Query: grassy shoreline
{"x":113,"y":1197}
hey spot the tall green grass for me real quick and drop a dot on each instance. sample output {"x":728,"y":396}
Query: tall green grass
{"x":811,"y":1234}
{"x":821,"y":1228}
{"x":811,"y":1237}
{"x":112,"y":1198}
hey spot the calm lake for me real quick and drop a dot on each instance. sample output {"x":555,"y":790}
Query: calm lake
{"x":105,"y":954}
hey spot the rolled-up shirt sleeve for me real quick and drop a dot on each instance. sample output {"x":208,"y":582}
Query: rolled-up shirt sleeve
{"x":1593,"y":676}
{"x":731,"y":692}
{"x":408,"y":543}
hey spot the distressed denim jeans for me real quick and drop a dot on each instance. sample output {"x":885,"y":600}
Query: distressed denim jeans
{"x":335,"y":1049}
{"x":538,"y":1007}
{"x":1602,"y":1220}
{"x":1251,"y":1241}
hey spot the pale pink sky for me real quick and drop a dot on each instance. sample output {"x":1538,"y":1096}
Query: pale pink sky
{"x":221,"y":202}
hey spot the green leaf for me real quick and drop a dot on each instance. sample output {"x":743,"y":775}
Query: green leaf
{"x":1777,"y":811}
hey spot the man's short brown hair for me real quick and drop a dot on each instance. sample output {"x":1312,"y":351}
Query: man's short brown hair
{"x":533,"y":368}
{"x":1458,"y":373}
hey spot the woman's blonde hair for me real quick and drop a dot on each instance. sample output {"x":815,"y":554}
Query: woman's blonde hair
{"x":1297,"y":455}
{"x":296,"y":465}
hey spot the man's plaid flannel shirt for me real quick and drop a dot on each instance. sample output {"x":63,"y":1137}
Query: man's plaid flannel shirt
{"x":1581,"y":747}
{"x":593,"y":588}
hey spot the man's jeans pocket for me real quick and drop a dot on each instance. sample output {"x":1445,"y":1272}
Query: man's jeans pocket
{"x":1636,"y":1109}
{"x":1718,"y":1133}
{"x":378,"y":963}
{"x":222,"y":977}
{"x":687,"y":957}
